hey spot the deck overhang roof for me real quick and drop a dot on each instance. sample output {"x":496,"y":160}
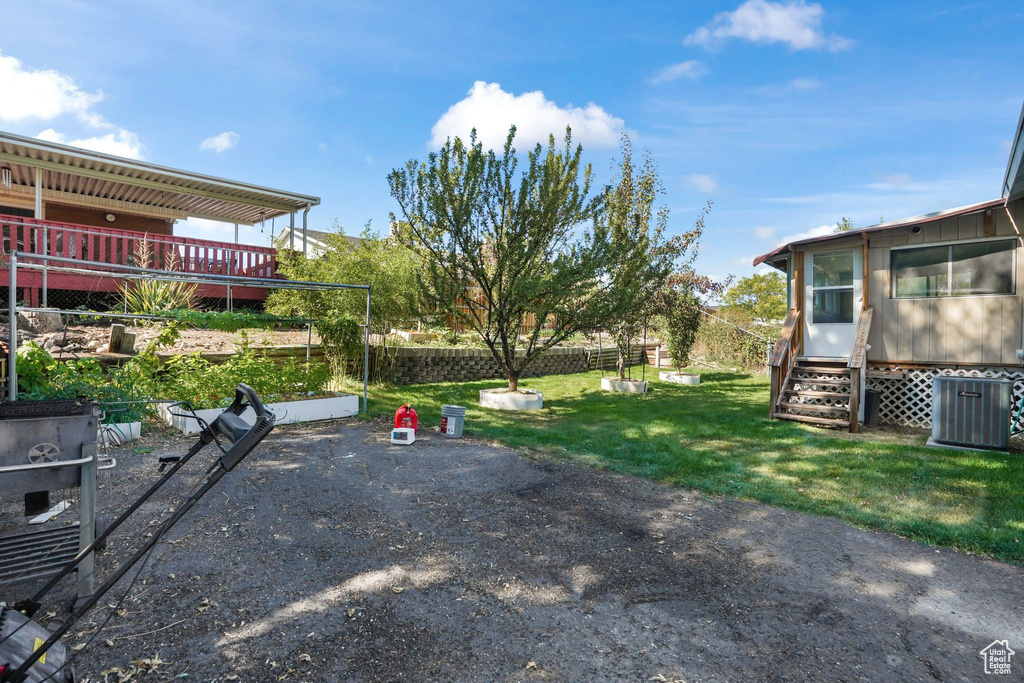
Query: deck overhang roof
{"x":70,"y":173}
{"x":923,"y":219}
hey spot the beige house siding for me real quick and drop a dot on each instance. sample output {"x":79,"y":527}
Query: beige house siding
{"x":973,"y":329}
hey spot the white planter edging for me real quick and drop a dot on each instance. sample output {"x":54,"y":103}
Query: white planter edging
{"x":287,"y":412}
{"x":626,"y":386}
{"x":119,"y":432}
{"x":679,"y":377}
{"x":503,"y":399}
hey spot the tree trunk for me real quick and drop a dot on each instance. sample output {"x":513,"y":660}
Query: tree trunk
{"x":513,"y":382}
{"x":621,"y":364}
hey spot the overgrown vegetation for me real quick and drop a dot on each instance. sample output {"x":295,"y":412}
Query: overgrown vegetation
{"x":382,"y":262}
{"x":715,"y":438}
{"x":734,"y":339}
{"x":130,"y":386}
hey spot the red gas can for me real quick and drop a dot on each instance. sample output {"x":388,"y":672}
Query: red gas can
{"x":406,"y":417}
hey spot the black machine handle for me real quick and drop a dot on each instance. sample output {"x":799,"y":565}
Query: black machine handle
{"x":244,"y":438}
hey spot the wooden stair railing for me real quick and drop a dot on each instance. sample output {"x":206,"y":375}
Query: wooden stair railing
{"x":783,"y":359}
{"x":858,"y":358}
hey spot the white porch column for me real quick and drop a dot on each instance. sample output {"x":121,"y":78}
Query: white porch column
{"x":39,"y":193}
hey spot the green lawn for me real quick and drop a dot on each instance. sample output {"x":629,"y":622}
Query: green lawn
{"x":715,"y":438}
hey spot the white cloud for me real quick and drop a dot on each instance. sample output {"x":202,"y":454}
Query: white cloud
{"x":819,"y":231}
{"x":794,"y":23}
{"x":703,"y":182}
{"x":764,"y":232}
{"x":221,"y":142}
{"x":44,"y":95}
{"x":122,"y":143}
{"x":691,"y":69}
{"x":797,"y":85}
{"x":893,"y":181}
{"x":492,"y":111}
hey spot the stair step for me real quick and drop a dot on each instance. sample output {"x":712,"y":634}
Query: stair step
{"x":832,"y":422}
{"x":814,"y":408}
{"x":837,"y":370}
{"x":823,"y":382}
{"x":816,"y":394}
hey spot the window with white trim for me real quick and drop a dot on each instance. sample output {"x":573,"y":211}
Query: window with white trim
{"x":963,"y":269}
{"x":832,"y":288}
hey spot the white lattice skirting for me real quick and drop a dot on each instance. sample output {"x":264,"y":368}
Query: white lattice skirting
{"x":907,"y":401}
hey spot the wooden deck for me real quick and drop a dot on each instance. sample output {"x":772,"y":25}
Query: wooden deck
{"x":109,"y":245}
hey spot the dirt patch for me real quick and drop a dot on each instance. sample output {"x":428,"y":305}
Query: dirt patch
{"x":332,"y":555}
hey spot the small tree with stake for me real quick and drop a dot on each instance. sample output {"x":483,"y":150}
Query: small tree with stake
{"x":647,"y":254}
{"x":681,"y":308}
{"x":501,"y":246}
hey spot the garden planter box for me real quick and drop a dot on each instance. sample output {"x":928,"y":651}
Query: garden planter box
{"x":119,"y":433}
{"x":679,"y":377}
{"x":287,"y":412}
{"x":503,"y":399}
{"x":626,"y":386}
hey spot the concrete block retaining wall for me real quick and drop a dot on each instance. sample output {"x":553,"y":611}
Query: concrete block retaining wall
{"x":421,"y":365}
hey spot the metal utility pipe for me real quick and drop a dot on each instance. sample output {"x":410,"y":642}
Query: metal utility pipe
{"x":206,"y":277}
{"x":305,"y":213}
{"x":12,"y":327}
{"x":366,"y":353}
{"x":45,"y":236}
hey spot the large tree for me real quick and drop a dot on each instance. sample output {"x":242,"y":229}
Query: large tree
{"x":647,"y":254}
{"x":518,"y":257}
{"x":763,"y":295}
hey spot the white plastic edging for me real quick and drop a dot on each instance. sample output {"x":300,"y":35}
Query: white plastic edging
{"x":287,"y":412}
{"x":679,"y":377}
{"x":503,"y":399}
{"x":626,"y":386}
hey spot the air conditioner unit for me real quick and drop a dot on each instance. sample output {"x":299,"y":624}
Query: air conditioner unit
{"x":971,"y":412}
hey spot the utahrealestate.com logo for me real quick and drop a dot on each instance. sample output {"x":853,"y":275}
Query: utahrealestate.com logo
{"x":997,"y":657}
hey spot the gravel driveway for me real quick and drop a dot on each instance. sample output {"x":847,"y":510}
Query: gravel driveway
{"x":332,"y":555}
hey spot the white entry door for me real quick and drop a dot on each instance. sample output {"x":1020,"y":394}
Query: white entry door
{"x":832,"y":303}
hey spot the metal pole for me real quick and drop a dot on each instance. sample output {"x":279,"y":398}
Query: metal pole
{"x":309,"y":339}
{"x":39,"y":216}
{"x":87,"y":521}
{"x":304,"y":215}
{"x":12,"y":328}
{"x":231,"y":271}
{"x":600,"y":353}
{"x":291,"y":232}
{"x":643,"y":362}
{"x":366,"y":353}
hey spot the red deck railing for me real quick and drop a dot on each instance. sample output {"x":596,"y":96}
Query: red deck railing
{"x":110,"y":245}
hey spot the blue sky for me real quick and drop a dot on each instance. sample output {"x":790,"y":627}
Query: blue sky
{"x":788,"y":115}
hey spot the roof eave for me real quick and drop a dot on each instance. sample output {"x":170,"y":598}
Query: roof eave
{"x":901,"y":223}
{"x":1013,"y":179}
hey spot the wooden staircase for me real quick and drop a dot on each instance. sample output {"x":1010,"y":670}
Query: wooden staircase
{"x":817,"y":392}
{"x":820,"y":392}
